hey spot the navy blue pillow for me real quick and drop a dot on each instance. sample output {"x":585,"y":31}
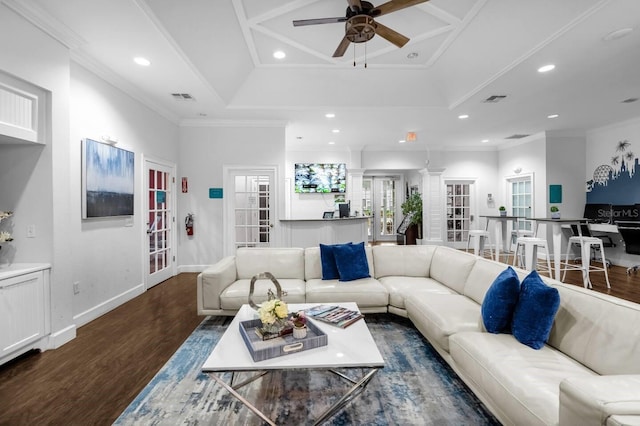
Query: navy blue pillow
{"x":328,"y":262}
{"x":535,"y":311}
{"x":500,"y":301}
{"x":351,"y":261}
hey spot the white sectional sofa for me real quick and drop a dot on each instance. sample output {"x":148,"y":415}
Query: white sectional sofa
{"x":588,"y":373}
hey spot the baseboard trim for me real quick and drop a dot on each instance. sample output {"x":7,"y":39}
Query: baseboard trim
{"x":101,"y":309}
{"x":61,"y":337}
{"x":192,"y":268}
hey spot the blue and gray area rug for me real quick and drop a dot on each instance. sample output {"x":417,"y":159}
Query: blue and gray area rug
{"x":416,"y":387}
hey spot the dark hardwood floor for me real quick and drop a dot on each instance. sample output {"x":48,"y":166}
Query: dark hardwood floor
{"x":93,"y":378}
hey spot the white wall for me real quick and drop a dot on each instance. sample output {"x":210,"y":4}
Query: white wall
{"x":565,"y":166}
{"x":34,"y":180}
{"x":108,"y":253}
{"x":203,"y":153}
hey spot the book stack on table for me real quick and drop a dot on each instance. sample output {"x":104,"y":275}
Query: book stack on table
{"x":334,"y":315}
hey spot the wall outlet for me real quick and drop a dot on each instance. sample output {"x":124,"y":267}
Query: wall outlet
{"x":76,"y":287}
{"x":31,"y":231}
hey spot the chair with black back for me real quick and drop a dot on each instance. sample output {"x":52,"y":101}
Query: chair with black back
{"x":630,"y":233}
{"x":598,"y":213}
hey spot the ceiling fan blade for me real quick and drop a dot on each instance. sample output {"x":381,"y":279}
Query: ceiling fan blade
{"x":391,"y":35}
{"x":342,"y":48}
{"x":303,"y":22}
{"x":355,"y":5}
{"x":393,"y":6}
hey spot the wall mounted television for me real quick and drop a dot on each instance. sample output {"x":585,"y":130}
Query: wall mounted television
{"x":320,"y":177}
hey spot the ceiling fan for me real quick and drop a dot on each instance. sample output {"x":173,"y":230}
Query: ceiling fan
{"x":360,"y":25}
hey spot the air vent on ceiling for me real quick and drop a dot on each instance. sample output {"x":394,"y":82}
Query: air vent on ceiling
{"x":516,"y":136}
{"x":630,"y":100}
{"x":182,"y":97}
{"x":494,"y":99}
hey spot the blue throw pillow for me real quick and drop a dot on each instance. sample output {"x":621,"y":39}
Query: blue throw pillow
{"x":328,"y":262}
{"x":535,"y":311}
{"x":500,"y":302}
{"x":351,"y":261}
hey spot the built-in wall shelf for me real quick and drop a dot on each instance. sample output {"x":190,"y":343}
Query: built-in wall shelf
{"x":22,"y":111}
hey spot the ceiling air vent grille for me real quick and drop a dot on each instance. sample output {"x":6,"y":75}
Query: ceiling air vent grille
{"x":494,"y":99}
{"x":517,"y":136}
{"x":182,"y":97}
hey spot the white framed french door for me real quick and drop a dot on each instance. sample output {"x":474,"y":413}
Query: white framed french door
{"x":159,"y":259}
{"x":380,"y":201}
{"x":249,"y":210}
{"x":460,"y":211}
{"x":521,"y":197}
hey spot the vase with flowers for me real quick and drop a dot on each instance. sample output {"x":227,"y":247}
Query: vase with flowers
{"x":273,"y":314}
{"x":299,"y":321}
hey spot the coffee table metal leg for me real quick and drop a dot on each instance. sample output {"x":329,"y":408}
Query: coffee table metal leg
{"x":239,"y":397}
{"x":355,"y":390}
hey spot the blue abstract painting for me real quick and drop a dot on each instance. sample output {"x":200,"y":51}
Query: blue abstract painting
{"x":108,"y":180}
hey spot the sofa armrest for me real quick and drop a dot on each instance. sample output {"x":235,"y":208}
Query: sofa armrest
{"x":212,"y":281}
{"x":594,"y":400}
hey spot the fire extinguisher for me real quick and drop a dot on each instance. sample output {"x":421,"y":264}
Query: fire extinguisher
{"x":188,"y":223}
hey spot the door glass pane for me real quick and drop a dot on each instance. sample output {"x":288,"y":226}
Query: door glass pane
{"x":252,"y":210}
{"x":458,"y":212}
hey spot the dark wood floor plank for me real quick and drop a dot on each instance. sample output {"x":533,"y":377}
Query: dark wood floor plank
{"x":93,"y":378}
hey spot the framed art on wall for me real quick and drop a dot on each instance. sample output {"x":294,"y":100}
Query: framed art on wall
{"x":107,"y":180}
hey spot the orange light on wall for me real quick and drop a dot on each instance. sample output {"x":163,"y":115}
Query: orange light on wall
{"x":411,"y":137}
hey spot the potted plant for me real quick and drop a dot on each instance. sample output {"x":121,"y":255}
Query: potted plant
{"x":299,"y":321}
{"x":555,"y":212}
{"x":502,"y":210}
{"x":413,"y":206}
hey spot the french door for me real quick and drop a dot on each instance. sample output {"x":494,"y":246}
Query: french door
{"x":521,"y":194}
{"x":460,"y":212}
{"x":250,"y":208}
{"x":380,"y":202}
{"x":160,"y":221}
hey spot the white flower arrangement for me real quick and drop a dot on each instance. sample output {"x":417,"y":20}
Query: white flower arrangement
{"x":5,"y":236}
{"x":4,"y":215}
{"x":273,"y":310}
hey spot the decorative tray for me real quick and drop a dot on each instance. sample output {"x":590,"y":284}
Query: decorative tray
{"x":265,"y":349}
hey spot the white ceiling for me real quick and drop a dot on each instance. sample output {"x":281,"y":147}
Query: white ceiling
{"x":220,"y":52}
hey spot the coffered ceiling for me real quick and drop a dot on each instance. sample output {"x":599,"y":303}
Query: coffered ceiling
{"x":465,"y":57}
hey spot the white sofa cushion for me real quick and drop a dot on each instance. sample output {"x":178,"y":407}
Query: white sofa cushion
{"x":237,"y":294}
{"x":482,"y":275}
{"x":438,"y":316}
{"x":406,"y":261}
{"x":523,"y":382}
{"x":451,"y":267}
{"x":281,"y":262}
{"x":597,"y":330}
{"x":366,"y":292}
{"x":400,"y":288}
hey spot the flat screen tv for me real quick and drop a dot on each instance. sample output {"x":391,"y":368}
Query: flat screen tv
{"x":321,"y":177}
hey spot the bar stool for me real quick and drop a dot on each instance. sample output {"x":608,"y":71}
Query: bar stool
{"x":586,"y":267}
{"x":480,"y":241}
{"x":530,"y":246}
{"x":515,"y":234}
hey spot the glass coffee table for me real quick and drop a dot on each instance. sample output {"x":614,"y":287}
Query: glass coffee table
{"x":352,"y":347}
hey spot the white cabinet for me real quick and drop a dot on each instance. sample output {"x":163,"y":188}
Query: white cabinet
{"x":25,"y":322}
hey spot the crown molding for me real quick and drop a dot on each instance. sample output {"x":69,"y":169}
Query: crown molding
{"x":42,"y":20}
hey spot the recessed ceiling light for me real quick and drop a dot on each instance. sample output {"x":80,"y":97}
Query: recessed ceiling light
{"x":330,"y":115}
{"x":463,"y":116}
{"x":614,"y":35}
{"x":484,"y":140}
{"x":279,"y":54}
{"x":401,"y":141}
{"x":412,"y":55}
{"x":336,"y":130}
{"x":144,"y":62}
{"x":332,"y":143}
{"x":546,"y":68}
{"x":553,"y":116}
